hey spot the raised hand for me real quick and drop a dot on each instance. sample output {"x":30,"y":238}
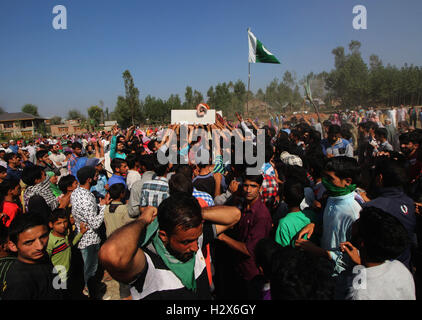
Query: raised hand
{"x":148,"y":214}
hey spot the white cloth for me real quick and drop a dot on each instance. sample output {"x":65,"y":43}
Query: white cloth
{"x":388,"y":281}
{"x":58,"y":158}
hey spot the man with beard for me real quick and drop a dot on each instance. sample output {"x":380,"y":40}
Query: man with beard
{"x":388,"y":190}
{"x":335,"y":145}
{"x":409,"y":145}
{"x":85,"y":210}
{"x":57,"y":157}
{"x":46,"y":163}
{"x":31,"y":277}
{"x":15,"y":165}
{"x":169,"y":264}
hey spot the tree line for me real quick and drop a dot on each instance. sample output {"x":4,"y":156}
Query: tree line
{"x":351,"y":83}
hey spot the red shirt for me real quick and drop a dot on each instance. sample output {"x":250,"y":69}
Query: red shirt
{"x":254,"y":225}
{"x":11,"y":209}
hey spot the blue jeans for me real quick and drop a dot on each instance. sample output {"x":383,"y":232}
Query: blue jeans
{"x":90,"y":257}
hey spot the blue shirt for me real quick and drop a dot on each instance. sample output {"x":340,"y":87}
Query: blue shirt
{"x":339,"y":215}
{"x":341,"y":148}
{"x":14,"y":148}
{"x":14,"y":174}
{"x":116,"y":179}
{"x":100,"y":186}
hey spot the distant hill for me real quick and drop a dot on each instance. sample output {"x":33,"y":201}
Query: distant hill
{"x":258,"y":108}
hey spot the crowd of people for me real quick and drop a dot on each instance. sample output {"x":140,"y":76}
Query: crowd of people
{"x":333,"y":213}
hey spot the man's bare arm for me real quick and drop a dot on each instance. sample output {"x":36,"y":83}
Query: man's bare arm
{"x":234,"y":244}
{"x":120,"y":254}
{"x":224,"y":217}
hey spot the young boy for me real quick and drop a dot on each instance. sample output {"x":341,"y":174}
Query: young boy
{"x":295,"y":220}
{"x":31,"y":277}
{"x":53,"y":184}
{"x":59,"y":246}
{"x":115,"y":216}
{"x":341,"y":210}
{"x":379,"y":238}
{"x":383,"y":144}
{"x":67,"y":184}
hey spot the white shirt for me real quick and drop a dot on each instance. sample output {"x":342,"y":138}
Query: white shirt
{"x":58,"y":158}
{"x":131,"y":178}
{"x":388,"y":281}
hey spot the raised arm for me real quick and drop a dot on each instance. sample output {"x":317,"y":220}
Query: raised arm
{"x":120,"y":254}
{"x":129,"y":133}
{"x":224,"y":217}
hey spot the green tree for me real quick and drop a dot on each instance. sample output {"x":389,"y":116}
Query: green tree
{"x":31,"y":109}
{"x":122,"y":112}
{"x":174,"y":102}
{"x":107,"y":115}
{"x":278,"y":94}
{"x":260,"y":95}
{"x":56,"y":120}
{"x":132,"y":97}
{"x":189,"y":98}
{"x":74,"y":114}
{"x":211,"y":97}
{"x":1,"y":110}
{"x":95,"y":114}
{"x":238,"y":96}
{"x":156,"y":110}
{"x":222,"y":98}
{"x":197,"y":98}
{"x":349,"y":82}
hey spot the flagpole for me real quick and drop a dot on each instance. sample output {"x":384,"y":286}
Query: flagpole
{"x":249,"y":84}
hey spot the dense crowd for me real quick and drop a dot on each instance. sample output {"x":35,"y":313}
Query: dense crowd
{"x":333,"y":213}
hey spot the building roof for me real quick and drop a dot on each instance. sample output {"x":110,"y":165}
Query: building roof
{"x":6,"y":116}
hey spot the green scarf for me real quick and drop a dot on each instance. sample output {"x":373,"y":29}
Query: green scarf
{"x":183,"y":270}
{"x":334,"y":191}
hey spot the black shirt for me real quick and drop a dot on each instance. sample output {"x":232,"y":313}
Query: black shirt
{"x":26,"y":281}
{"x":205,"y":183}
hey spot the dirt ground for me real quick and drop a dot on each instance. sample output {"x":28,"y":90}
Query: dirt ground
{"x":112,"y":292}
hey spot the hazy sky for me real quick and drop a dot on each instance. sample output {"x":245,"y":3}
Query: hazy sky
{"x":167,"y":45}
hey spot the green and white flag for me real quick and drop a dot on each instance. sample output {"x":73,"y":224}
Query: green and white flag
{"x":257,"y":51}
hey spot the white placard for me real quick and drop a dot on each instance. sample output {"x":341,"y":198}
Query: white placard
{"x":190,"y":117}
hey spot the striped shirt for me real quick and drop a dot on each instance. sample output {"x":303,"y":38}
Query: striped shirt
{"x":205,"y":196}
{"x":154,"y":192}
{"x":219,"y":166}
{"x":41,"y":189}
{"x":60,"y":252}
{"x":158,"y":282}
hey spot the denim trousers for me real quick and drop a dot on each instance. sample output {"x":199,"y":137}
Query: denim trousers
{"x":90,"y":257}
